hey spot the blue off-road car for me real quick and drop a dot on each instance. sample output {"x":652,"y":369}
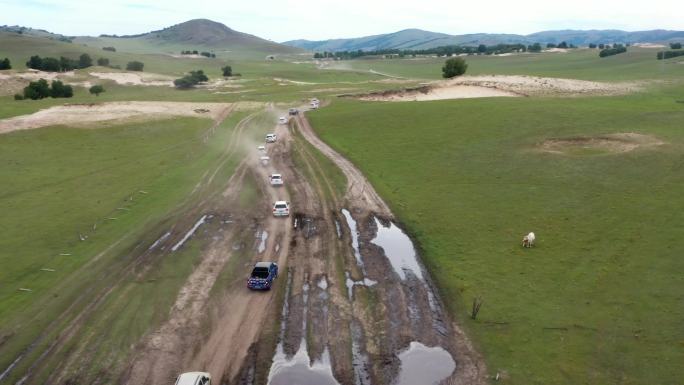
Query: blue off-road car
{"x":262,"y":276}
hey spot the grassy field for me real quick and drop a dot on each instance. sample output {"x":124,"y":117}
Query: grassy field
{"x":637,"y":63}
{"x":598,"y":301}
{"x":79,"y":178}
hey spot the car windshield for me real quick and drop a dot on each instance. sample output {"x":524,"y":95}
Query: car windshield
{"x":281,"y":206}
{"x":260,"y":272}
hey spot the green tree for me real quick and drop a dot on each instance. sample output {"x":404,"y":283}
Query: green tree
{"x":61,"y":90}
{"x":103,"y":62}
{"x":35,"y":62}
{"x":51,"y":64}
{"x":96,"y":90}
{"x":676,"y":45}
{"x":5,"y":64}
{"x":454,"y":66}
{"x":135,"y":66}
{"x":37,"y":90}
{"x":66,"y":64}
{"x":85,"y":61}
{"x":481,"y":48}
{"x":227,"y":71}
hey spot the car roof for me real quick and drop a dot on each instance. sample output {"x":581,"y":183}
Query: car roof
{"x":275,"y":175}
{"x":270,"y":134}
{"x":281,"y":202}
{"x":263,"y":264}
{"x":190,"y":378}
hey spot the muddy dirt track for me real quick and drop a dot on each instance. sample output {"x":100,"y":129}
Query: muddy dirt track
{"x":353,"y":303}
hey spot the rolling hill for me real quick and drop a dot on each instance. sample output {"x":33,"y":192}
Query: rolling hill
{"x":420,"y":39}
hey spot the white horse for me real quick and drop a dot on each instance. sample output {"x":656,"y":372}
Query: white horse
{"x":528,"y":240}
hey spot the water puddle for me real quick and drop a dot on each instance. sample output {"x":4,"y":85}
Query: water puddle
{"x":160,"y":240}
{"x":9,"y":368}
{"x":350,"y":283}
{"x":360,"y":361}
{"x":354,"y":236}
{"x":423,"y":365}
{"x":398,"y":249}
{"x":190,"y":232}
{"x":338,"y":229}
{"x":299,"y":370}
{"x":262,"y":245}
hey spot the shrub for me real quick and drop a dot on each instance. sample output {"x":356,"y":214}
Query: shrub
{"x":191,"y":79}
{"x":135,"y":66}
{"x":85,"y":61}
{"x":676,"y":45}
{"x":112,"y":49}
{"x":96,"y":89}
{"x":227,"y":71}
{"x":60,"y":90}
{"x":5,"y":64}
{"x":612,"y":51}
{"x":103,"y":62}
{"x":37,"y":90}
{"x":18,"y":97}
{"x":454,"y":67}
{"x":669,"y":54}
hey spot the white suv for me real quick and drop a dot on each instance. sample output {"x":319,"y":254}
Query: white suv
{"x":281,"y":209}
{"x":276,"y":180}
{"x":194,"y":378}
{"x":282,"y":120}
{"x":271,"y":138}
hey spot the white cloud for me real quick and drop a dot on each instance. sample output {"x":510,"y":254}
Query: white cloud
{"x":289,"y":19}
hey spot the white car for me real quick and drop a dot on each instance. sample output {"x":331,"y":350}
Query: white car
{"x":271,"y":138}
{"x":276,"y":180}
{"x":314,"y":106}
{"x":261,"y":148}
{"x":194,"y":378}
{"x":281,"y":209}
{"x":282,"y":120}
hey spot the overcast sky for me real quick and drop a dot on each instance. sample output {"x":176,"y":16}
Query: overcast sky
{"x":281,"y":20}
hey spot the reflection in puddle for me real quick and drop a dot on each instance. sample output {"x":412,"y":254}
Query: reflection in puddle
{"x":190,"y":232}
{"x":262,"y":244}
{"x":398,"y":249}
{"x":298,"y":369}
{"x":354,"y":236}
{"x":422,"y":365}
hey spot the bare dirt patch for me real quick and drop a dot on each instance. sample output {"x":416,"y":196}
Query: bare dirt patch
{"x":607,"y":144}
{"x":14,"y":82}
{"x":136,"y":79}
{"x":80,"y":115}
{"x":500,"y":85}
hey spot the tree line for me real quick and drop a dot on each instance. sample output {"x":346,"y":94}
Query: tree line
{"x":447,"y":50}
{"x":195,"y":52}
{"x":616,"y":49}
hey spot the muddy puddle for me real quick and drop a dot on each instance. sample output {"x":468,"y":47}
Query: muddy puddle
{"x":351,"y":283}
{"x":263,"y":237}
{"x":423,"y":365}
{"x":298,"y":369}
{"x":190,"y":232}
{"x":398,"y":249}
{"x":354,"y":236}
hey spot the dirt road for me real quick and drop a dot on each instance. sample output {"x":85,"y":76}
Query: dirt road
{"x":353,"y":303}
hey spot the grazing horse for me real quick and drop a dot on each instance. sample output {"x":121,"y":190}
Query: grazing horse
{"x":528,"y":240}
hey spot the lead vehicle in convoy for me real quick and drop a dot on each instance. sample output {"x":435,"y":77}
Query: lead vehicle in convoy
{"x":271,"y":138}
{"x":194,"y":378}
{"x":262,"y":276}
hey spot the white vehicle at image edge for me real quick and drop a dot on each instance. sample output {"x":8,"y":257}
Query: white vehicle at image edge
{"x":276,"y":180}
{"x":281,"y":209}
{"x":271,"y":138}
{"x":194,"y":378}
{"x":282,"y":120}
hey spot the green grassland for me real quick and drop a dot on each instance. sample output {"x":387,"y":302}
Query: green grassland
{"x":63,"y":182}
{"x":598,"y":300}
{"x":585,"y":64}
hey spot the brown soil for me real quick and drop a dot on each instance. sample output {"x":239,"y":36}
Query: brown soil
{"x":610,"y":143}
{"x":498,"y":86}
{"x":84,"y":115}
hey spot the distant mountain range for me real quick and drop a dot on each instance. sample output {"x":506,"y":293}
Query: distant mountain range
{"x":419,"y":39}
